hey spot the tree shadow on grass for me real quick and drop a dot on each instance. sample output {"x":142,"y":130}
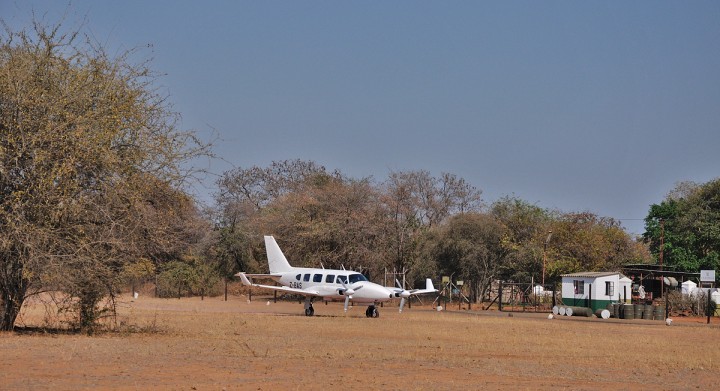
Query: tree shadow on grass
{"x":36,"y":330}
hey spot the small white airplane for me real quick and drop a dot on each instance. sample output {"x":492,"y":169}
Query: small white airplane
{"x":328,"y":284}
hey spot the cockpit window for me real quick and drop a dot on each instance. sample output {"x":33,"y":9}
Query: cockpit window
{"x":357,"y":277}
{"x":341,"y":280}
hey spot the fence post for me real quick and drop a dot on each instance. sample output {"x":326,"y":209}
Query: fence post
{"x":707,"y":309}
{"x":473,"y":295}
{"x":500,"y":296}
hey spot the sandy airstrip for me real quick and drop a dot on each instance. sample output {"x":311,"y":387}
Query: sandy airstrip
{"x":211,"y":344}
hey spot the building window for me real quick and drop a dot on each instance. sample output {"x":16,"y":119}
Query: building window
{"x":579,"y":287}
{"x":609,"y":288}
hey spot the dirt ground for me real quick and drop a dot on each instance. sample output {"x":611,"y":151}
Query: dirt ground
{"x":193,"y":344}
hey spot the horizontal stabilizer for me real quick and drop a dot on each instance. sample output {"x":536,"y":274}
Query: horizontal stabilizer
{"x":304,"y":292}
{"x":274,"y":277}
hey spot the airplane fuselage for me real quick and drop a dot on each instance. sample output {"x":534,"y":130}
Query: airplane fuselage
{"x":328,"y":283}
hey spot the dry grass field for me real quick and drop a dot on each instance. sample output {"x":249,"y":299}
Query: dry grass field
{"x":190,"y":344}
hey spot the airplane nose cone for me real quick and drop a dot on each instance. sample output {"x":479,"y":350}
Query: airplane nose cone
{"x":379,"y":292}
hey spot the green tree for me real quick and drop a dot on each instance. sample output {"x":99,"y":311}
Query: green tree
{"x":177,"y":277}
{"x":470,"y":246}
{"x":686,"y":226}
{"x":526,"y":232}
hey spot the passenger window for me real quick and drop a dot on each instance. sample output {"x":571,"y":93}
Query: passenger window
{"x":306,"y":277}
{"x":298,"y":277}
{"x":330,"y":278}
{"x":317,"y":278}
{"x":342,"y":279}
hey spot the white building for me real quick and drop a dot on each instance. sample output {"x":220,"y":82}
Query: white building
{"x":595,"y":289}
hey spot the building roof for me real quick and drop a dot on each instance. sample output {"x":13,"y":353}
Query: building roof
{"x":591,"y":274}
{"x":654,"y":270}
{"x":649,"y":266}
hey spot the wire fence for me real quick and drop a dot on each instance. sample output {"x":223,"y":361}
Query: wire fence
{"x":525,"y":297}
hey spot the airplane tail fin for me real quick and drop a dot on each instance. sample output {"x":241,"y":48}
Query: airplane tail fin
{"x":429,"y":288}
{"x":276,"y":259}
{"x":429,"y":285}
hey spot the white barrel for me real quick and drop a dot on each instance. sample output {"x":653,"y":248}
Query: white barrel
{"x":561,"y":311}
{"x":556,"y":310}
{"x":602,"y":313}
{"x":569,"y":311}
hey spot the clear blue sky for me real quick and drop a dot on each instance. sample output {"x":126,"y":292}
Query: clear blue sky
{"x":597,"y":106}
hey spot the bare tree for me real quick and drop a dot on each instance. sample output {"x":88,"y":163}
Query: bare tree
{"x":257,"y":186}
{"x":91,"y":162}
{"x":416,"y":201}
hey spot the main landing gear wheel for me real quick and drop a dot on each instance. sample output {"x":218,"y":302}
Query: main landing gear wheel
{"x":372,"y":312}
{"x":310,"y":311}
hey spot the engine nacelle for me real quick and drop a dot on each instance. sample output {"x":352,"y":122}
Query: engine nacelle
{"x":346,"y":292}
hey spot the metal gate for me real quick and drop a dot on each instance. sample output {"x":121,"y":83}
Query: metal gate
{"x":525,"y":297}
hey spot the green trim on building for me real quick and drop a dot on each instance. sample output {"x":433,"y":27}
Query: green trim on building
{"x":594,"y":304}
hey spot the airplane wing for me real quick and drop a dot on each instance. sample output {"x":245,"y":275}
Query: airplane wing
{"x":403,"y":294}
{"x":304,"y":292}
{"x":429,"y":288}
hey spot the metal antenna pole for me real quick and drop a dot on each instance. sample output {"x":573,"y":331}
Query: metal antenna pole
{"x":545,"y":257}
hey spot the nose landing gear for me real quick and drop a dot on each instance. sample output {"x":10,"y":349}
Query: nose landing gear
{"x":372,"y":312}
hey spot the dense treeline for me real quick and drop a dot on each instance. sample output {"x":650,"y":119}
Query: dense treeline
{"x":426,"y":225}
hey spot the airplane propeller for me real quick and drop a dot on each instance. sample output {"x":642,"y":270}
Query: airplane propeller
{"x":347,"y":292}
{"x":403,"y":294}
